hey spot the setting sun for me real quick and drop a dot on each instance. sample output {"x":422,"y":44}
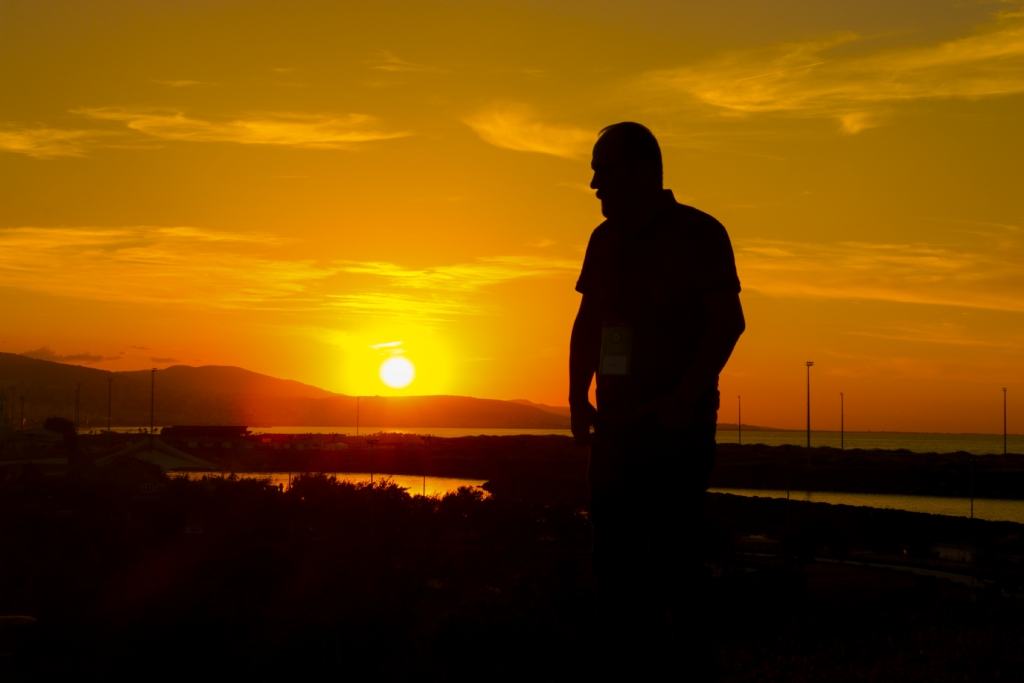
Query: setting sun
{"x":385,"y":171}
{"x":397,"y":372}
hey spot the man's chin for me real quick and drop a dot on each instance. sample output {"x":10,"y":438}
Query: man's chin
{"x":609,"y":210}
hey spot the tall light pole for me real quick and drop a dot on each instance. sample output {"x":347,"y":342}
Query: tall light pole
{"x":739,"y":421}
{"x":21,"y":425}
{"x":972,"y":485}
{"x":810,"y":364}
{"x":78,"y":400}
{"x":427,"y":437}
{"x":152,"y":404}
{"x":110,"y":393}
{"x":372,"y":442}
{"x":1004,"y":420}
{"x":842,"y":430}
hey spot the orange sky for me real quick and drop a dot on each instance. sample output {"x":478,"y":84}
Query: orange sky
{"x":286,"y":185}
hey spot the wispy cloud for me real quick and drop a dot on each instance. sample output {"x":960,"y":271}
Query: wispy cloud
{"x":909,"y":273}
{"x":204,"y":269}
{"x":429,"y":307}
{"x":943,"y":333}
{"x":516,"y":127}
{"x":144,"y":265}
{"x":442,"y":291}
{"x":160,"y":359}
{"x":314,"y":131}
{"x":388,"y":61}
{"x":466,"y":276}
{"x":46,"y":353}
{"x":812,"y":78}
{"x":43,"y":142}
{"x":185,"y":83}
{"x":855,"y":122}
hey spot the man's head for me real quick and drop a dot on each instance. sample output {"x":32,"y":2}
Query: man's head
{"x":627,"y":168}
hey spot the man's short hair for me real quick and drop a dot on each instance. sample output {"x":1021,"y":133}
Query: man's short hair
{"x":638,"y":142}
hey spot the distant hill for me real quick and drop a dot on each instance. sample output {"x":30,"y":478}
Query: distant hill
{"x":447,"y":411}
{"x":557,"y":410}
{"x":731,"y":427}
{"x":226,"y":379}
{"x":219,"y":395}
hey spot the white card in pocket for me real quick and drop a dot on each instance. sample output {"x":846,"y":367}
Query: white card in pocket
{"x":616,"y":350}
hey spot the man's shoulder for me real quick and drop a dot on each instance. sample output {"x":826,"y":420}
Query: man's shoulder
{"x":602,"y":233}
{"x":684,"y":215}
{"x":603,"y":228}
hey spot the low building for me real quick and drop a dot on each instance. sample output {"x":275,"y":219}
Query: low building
{"x":31,"y":444}
{"x":953,"y":552}
{"x":160,"y":453}
{"x":205,"y":433}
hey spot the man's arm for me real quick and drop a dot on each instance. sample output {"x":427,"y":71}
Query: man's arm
{"x":584,"y":356}
{"x":720,"y":337}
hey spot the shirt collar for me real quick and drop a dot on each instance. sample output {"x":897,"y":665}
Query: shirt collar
{"x":663,"y":204}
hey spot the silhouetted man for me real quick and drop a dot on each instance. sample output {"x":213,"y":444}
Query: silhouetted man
{"x":659,"y":318}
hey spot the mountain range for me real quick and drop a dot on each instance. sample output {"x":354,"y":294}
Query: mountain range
{"x":225,"y":395}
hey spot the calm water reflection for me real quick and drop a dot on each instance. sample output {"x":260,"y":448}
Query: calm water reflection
{"x":978,"y":444}
{"x":984,"y":508}
{"x":431,"y":486}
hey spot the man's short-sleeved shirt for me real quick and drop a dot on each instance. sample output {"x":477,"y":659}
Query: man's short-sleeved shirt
{"x":651,"y":282}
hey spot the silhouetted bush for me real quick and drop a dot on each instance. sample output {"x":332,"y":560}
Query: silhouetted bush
{"x":129,"y":571}
{"x":66,"y":428}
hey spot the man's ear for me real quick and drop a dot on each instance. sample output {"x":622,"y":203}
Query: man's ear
{"x":646,"y":174}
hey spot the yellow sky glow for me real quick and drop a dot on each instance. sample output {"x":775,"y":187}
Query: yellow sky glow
{"x":291,"y":187}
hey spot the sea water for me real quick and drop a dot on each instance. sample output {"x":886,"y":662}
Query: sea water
{"x":977,"y":444}
{"x":993,"y":510}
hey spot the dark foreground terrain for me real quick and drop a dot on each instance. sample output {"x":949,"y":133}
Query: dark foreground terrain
{"x":132,"y":575}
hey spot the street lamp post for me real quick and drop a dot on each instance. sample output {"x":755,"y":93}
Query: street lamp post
{"x":427,"y":439}
{"x":78,"y":403}
{"x":152,"y":404}
{"x":810,"y":364}
{"x":1004,"y":420}
{"x":842,"y":427}
{"x":371,"y":442}
{"x":739,"y":421}
{"x":110,"y":393}
{"x":972,"y":486}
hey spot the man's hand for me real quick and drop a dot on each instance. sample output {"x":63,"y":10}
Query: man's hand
{"x":582,"y":419}
{"x":673,"y":413}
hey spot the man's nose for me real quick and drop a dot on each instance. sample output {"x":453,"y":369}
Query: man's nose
{"x":593,"y":182}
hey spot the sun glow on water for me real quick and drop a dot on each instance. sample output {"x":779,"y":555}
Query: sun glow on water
{"x":397,"y":372}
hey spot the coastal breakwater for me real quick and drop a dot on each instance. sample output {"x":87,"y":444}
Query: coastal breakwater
{"x":551,"y":465}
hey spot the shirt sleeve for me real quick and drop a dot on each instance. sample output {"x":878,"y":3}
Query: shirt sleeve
{"x":716,"y":264}
{"x":587,"y":282}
